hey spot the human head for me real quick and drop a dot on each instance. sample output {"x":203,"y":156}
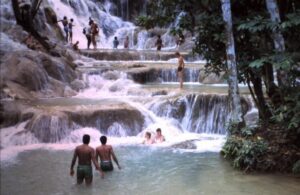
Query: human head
{"x":148,"y":135}
{"x":103,"y":139}
{"x":86,"y":139}
{"x":71,"y":20}
{"x":158,"y":131}
{"x":116,"y":37}
{"x":177,"y":54}
{"x":158,"y":36}
{"x":91,"y":22}
{"x":65,"y":17}
{"x":77,"y":42}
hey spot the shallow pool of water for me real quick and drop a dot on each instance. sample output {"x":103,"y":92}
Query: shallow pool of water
{"x":146,"y":170}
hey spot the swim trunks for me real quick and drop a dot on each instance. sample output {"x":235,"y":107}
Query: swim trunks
{"x":106,"y":165}
{"x":84,"y":172}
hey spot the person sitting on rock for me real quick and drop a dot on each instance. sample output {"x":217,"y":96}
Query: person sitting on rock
{"x":75,"y":46}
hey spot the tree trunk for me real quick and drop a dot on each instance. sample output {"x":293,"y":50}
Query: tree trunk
{"x":233,"y":92}
{"x":277,"y":38}
{"x":24,"y":17}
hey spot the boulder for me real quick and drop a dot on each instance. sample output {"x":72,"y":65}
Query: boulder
{"x":78,"y":85}
{"x":37,"y":73}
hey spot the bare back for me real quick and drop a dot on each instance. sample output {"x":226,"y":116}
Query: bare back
{"x":85,"y":154}
{"x":180,"y":62}
{"x":104,"y":152}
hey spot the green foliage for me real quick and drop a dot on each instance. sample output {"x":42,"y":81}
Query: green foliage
{"x":249,"y":153}
{"x":289,"y":113}
{"x":247,"y":132}
{"x":244,"y":153}
{"x":279,"y":61}
{"x":296,"y":167}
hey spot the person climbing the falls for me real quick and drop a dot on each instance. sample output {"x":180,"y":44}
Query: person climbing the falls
{"x":65,"y":23}
{"x":158,"y":43}
{"x":180,"y":69}
{"x":85,"y":155}
{"x":159,"y":138}
{"x":105,"y":153}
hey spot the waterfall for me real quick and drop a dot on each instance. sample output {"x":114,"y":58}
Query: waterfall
{"x":196,"y":113}
{"x":110,"y":25}
{"x":170,"y":75}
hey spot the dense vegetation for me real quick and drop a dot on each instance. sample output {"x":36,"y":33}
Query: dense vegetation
{"x":272,"y":73}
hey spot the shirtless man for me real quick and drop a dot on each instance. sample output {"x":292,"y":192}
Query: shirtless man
{"x":180,"y":69}
{"x":159,"y":138}
{"x":85,"y":155}
{"x":105,"y":152}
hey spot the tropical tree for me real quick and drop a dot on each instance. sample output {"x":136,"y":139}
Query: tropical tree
{"x":25,"y":12}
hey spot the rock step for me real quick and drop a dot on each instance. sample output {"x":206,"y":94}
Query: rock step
{"x":137,"y":64}
{"x":129,"y":55}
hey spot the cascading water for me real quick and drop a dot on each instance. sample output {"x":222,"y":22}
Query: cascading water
{"x":110,"y":25}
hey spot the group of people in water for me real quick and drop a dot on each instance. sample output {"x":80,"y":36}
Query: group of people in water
{"x":87,"y":155}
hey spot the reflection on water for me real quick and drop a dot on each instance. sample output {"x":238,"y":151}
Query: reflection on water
{"x":146,"y":170}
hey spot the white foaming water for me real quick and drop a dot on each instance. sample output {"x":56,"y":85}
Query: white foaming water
{"x":110,"y":26}
{"x":99,"y":87}
{"x":81,"y":20}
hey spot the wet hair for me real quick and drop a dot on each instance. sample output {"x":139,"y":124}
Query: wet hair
{"x":177,"y":54}
{"x":71,"y":20}
{"x":149,"y":134}
{"x":86,"y":139}
{"x":158,"y":36}
{"x":116,"y":37}
{"x":103,"y":139}
{"x":158,"y":130}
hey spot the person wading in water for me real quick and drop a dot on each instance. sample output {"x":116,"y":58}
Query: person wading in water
{"x":105,"y":152}
{"x":85,"y":155}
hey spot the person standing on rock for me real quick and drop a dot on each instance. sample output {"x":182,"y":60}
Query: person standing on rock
{"x":180,"y":69}
{"x":126,"y":42}
{"x":70,"y":26}
{"x":85,"y":155}
{"x":88,"y":35}
{"x":65,"y":23}
{"x":95,"y":33}
{"x":158,"y":43}
{"x":105,"y":153}
{"x":115,"y":43}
